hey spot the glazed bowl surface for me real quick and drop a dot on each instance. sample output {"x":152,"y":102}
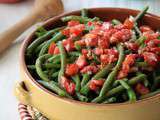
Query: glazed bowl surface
{"x":28,"y":91}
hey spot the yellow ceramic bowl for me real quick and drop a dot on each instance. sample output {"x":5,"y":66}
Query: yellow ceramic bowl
{"x":28,"y":91}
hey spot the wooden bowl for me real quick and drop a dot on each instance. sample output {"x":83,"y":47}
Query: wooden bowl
{"x":28,"y":91}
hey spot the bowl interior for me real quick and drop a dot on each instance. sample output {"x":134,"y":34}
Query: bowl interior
{"x":105,"y":14}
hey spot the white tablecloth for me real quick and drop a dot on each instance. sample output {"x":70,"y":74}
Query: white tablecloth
{"x":9,"y":65}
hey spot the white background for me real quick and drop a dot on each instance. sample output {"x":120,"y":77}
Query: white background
{"x":9,"y":65}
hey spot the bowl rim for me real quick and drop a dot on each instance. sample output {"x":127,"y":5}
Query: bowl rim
{"x":64,"y":99}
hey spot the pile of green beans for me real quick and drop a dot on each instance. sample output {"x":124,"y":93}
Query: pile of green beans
{"x":48,"y":69}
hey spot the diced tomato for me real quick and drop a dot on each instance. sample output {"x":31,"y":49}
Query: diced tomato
{"x":111,"y":52}
{"x":73,"y":23}
{"x":80,"y":42}
{"x":76,"y":30}
{"x":145,"y":28}
{"x":154,"y":49}
{"x":141,"y":89}
{"x":81,"y":61}
{"x":90,"y":69}
{"x":108,"y":33}
{"x":84,"y":52}
{"x":67,"y":85}
{"x":150,"y":36}
{"x":51,"y":48}
{"x":56,"y":50}
{"x":128,"y":23}
{"x":103,"y":43}
{"x":106,"y":26}
{"x":132,"y":46}
{"x":71,"y":88}
{"x":121,"y":36}
{"x":95,"y":84}
{"x":64,"y":81}
{"x":104,"y":59}
{"x":107,"y":58}
{"x":150,"y":58}
{"x":98,"y":51}
{"x":66,"y":32}
{"x":153,"y":43}
{"x":98,"y":82}
{"x":91,"y":39}
{"x":73,"y":31}
{"x":119,"y":27}
{"x":71,"y":69}
{"x":90,"y":23}
{"x":92,"y":86}
{"x":68,"y":44}
{"x":126,"y":65}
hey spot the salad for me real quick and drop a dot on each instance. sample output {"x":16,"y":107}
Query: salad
{"x":97,"y":61}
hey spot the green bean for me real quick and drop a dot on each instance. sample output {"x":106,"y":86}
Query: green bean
{"x":78,"y":47}
{"x":131,"y":93}
{"x":37,"y":50}
{"x":84,"y":12}
{"x":120,"y":88}
{"x":137,"y":30}
{"x":145,"y":81}
{"x":116,"y":82}
{"x":85,"y":79}
{"x":40,"y":31}
{"x":132,"y":81}
{"x":77,"y":18}
{"x":116,"y":22}
{"x":38,"y":65}
{"x":55,"y":74}
{"x":76,"y":79}
{"x":40,"y":40}
{"x":150,"y":94}
{"x":47,"y":66}
{"x":31,"y":67}
{"x":81,"y":97}
{"x":95,"y":19}
{"x":55,"y":58}
{"x":111,"y":77}
{"x":103,"y":72}
{"x":110,"y":100}
{"x":141,"y":14}
{"x":141,"y":40}
{"x":55,"y":88}
{"x":76,"y":54}
{"x":156,"y":82}
{"x":141,"y":64}
{"x":51,"y":65}
{"x":63,"y":61}
{"x":85,"y":90}
{"x":58,"y":36}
